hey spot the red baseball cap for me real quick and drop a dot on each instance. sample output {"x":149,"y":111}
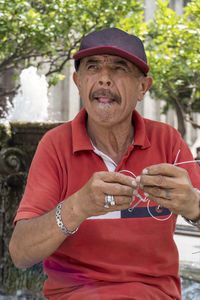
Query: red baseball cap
{"x":113,"y":41}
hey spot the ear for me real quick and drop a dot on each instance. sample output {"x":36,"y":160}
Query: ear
{"x":146,"y":84}
{"x":76,"y":79}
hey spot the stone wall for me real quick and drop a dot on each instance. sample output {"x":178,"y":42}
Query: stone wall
{"x":18,"y":143}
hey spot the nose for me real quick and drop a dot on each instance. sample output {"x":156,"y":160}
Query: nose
{"x":106,"y":83}
{"x":105,"y":78}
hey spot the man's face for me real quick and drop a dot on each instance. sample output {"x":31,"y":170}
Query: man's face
{"x":109,"y":87}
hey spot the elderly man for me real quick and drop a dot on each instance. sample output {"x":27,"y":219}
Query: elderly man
{"x":104,"y":190}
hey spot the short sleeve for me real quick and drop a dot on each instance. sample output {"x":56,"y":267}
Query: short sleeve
{"x":43,"y":188}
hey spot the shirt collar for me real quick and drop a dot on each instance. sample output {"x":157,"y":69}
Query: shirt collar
{"x":81,"y":140}
{"x":140,"y":135}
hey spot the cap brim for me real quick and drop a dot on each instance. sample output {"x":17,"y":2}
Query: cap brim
{"x":113,"y":51}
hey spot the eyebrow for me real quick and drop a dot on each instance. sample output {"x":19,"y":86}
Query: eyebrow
{"x":92,"y":61}
{"x":115,"y":61}
{"x":121,"y":62}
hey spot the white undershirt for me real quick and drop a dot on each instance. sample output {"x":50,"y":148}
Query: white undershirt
{"x":110,"y":164}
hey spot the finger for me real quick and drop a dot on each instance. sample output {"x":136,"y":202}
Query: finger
{"x":124,"y":200}
{"x":166,"y":194}
{"x":170,"y":200}
{"x":164,"y":169}
{"x":117,"y":189}
{"x":121,"y":203}
{"x":118,"y":178}
{"x":162,"y":203}
{"x":156,"y":180}
{"x":121,"y":207}
{"x":171,"y":205}
{"x":119,"y":200}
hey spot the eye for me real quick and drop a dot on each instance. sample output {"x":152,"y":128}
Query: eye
{"x":120,"y":68}
{"x":92,"y":67}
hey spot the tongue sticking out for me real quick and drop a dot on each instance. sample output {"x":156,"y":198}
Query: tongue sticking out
{"x":104,"y":99}
{"x":105,"y":96}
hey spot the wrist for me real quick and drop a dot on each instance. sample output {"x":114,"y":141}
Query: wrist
{"x":79,"y":206}
{"x":69,"y":218}
{"x":60,"y":223}
{"x":195,"y":218}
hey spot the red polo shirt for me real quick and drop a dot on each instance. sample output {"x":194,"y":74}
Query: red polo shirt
{"x":129,"y":256}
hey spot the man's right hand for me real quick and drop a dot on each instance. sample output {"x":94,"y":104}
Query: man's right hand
{"x":90,"y":199}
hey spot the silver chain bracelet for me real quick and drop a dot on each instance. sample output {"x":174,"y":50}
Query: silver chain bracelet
{"x":60,"y":223}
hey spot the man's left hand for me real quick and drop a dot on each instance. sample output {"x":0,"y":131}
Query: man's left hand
{"x":170,"y":187}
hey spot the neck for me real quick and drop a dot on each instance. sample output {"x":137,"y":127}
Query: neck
{"x":113,"y":141}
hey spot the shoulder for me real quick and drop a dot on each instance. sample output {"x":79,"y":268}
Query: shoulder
{"x":60,"y":132}
{"x":56,"y":140}
{"x":155,"y":127}
{"x":163,"y":136}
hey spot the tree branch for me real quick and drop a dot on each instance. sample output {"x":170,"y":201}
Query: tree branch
{"x":189,"y":118}
{"x":10,"y":92}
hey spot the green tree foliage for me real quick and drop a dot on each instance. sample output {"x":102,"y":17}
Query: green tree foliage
{"x":173,"y":48}
{"x":47,"y":32}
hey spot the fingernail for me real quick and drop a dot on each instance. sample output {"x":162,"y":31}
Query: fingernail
{"x":145,"y":172}
{"x":135,"y":192}
{"x":134,"y":183}
{"x":138,"y":178}
{"x":141,"y":186}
